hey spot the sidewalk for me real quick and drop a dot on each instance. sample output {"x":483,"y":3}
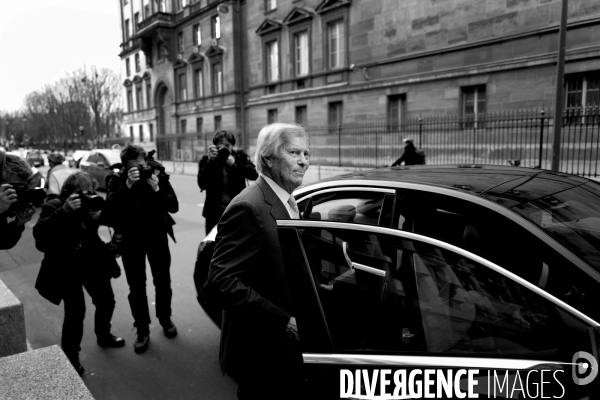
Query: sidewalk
{"x":313,"y":174}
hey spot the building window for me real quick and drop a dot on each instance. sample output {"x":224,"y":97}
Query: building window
{"x":199,"y":126}
{"x":197,"y":36}
{"x":198,"y":83}
{"x":301,"y":53}
{"x":183,"y":126}
{"x":336,"y":40}
{"x":396,"y":112}
{"x":127,"y":67}
{"x":138,"y":96}
{"x":272,"y":52}
{"x":125,"y":2}
{"x":179,"y":5}
{"x":162,"y":6}
{"x":582,"y":95}
{"x":148,"y":95}
{"x":301,"y":115}
{"x":335,"y":115}
{"x":151,"y":130}
{"x":136,"y":21}
{"x":146,"y":10}
{"x":217,"y":122}
{"x":180,"y":42}
{"x":217,"y":71}
{"x":127,"y":29}
{"x":270,"y":5}
{"x":129,"y":100}
{"x":215,"y":27}
{"x":271,"y":116}
{"x":138,"y":66}
{"x":182,"y":85}
{"x":141,"y":133}
{"x":473,"y":105}
{"x":131,"y":133}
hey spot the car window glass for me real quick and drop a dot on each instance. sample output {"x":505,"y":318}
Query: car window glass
{"x":352,"y":206}
{"x":102,"y":159}
{"x":424,"y":299}
{"x":93,"y":158}
{"x":496,"y":238}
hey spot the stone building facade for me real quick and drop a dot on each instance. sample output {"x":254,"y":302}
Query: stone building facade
{"x":324,"y":62}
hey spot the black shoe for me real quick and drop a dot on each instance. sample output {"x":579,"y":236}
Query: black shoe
{"x":141,"y":341}
{"x":110,"y":341}
{"x":78,"y":367}
{"x":169,"y":328}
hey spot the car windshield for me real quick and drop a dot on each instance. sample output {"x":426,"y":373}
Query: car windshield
{"x":572,"y":217}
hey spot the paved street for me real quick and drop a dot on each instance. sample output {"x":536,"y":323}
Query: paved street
{"x":182,"y":368}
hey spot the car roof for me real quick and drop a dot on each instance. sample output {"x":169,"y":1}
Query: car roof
{"x":112,"y":157}
{"x":472,"y":178}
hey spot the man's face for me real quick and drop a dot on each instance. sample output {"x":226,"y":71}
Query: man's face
{"x":135,"y":163}
{"x":290,"y":162}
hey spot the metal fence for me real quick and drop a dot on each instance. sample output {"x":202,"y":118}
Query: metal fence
{"x":519,"y":137}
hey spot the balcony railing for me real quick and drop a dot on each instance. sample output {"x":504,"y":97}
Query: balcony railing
{"x":156,"y":20}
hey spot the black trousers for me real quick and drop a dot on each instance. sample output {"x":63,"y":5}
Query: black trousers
{"x":156,"y":248}
{"x":100,"y":290}
{"x":273,"y":374}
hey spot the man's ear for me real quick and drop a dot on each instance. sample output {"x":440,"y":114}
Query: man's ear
{"x":267,"y":161}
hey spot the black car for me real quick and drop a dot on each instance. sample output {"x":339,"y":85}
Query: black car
{"x":468,"y":266}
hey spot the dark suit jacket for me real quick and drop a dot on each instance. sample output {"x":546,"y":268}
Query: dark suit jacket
{"x":248,"y":280}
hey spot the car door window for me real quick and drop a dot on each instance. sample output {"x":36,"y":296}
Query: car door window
{"x":417,"y":297}
{"x":102,"y":159}
{"x":360,"y":207}
{"x":93,"y":158}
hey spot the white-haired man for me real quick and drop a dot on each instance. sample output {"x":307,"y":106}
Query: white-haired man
{"x":247,"y":276}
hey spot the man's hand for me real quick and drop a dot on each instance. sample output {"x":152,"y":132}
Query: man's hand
{"x":7,"y":197}
{"x":133,"y":175}
{"x":24,"y":216}
{"x":153,"y":182}
{"x":213,"y":151}
{"x":95,"y":214}
{"x":230,"y":161}
{"x":73,"y":203}
{"x":291,"y":330}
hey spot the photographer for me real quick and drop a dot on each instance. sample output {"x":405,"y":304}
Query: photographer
{"x":139,"y":206}
{"x":75,"y":258}
{"x":223,"y":173}
{"x":14,"y":199}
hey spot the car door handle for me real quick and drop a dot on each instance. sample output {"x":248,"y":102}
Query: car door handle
{"x":362,"y":267}
{"x":406,"y":335}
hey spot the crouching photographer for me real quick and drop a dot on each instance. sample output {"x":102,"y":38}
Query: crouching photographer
{"x":16,"y":198}
{"x":75,"y":258}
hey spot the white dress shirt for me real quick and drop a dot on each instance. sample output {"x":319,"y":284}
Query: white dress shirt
{"x":280,"y":192}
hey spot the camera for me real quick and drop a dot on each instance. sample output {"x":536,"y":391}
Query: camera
{"x":26,"y":196}
{"x":90,"y":202}
{"x":145,"y":172}
{"x":223,"y":153}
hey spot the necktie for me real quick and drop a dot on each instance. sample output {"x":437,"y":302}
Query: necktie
{"x":295,"y":212}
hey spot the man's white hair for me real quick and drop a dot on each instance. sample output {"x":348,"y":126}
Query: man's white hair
{"x":271,"y":137}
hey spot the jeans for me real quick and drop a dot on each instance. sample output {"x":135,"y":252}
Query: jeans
{"x":100,"y":290}
{"x":156,"y":248}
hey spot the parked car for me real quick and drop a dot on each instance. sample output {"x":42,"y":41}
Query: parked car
{"x":34,"y":158}
{"x":102,"y":164}
{"x":75,"y":158}
{"x":452,"y":267}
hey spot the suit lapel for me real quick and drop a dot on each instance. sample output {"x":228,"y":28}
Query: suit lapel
{"x":278,"y":210}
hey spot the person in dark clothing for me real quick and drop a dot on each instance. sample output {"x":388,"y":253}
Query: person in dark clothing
{"x":223,"y":173}
{"x":411,"y":155}
{"x":75,"y":258}
{"x":13,"y":171}
{"x":139,"y":210}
